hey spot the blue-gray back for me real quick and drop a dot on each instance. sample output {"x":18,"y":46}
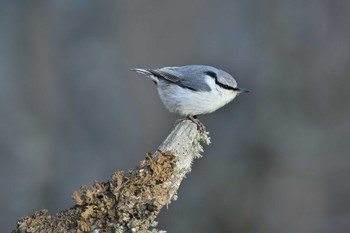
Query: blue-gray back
{"x":193,"y":76}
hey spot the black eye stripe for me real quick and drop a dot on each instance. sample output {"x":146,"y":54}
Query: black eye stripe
{"x":211,"y":74}
{"x":214,"y":76}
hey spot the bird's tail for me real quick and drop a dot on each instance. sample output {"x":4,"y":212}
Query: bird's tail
{"x":141,"y":71}
{"x":146,"y":72}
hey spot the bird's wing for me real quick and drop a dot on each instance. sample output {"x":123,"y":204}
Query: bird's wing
{"x":189,"y":80}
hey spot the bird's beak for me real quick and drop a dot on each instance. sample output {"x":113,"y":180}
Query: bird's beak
{"x":241,"y":90}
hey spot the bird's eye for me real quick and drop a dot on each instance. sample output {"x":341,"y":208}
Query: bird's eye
{"x":211,"y":74}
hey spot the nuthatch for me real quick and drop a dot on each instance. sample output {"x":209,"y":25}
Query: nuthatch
{"x":194,"y":89}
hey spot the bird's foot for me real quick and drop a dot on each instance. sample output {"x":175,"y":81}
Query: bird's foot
{"x":195,"y":120}
{"x":204,"y":135}
{"x":199,"y":124}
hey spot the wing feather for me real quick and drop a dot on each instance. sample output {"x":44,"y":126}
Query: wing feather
{"x":190,"y":79}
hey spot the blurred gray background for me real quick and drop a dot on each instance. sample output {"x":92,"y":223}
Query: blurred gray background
{"x":71,"y":111}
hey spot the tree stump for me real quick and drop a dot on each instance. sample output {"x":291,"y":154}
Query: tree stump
{"x":130,"y":201}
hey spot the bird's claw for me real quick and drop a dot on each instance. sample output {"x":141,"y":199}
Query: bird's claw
{"x":199,"y":124}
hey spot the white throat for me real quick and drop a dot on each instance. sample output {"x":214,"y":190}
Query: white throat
{"x":187,"y":102}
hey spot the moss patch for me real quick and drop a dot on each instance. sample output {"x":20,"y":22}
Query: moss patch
{"x":129,"y":202}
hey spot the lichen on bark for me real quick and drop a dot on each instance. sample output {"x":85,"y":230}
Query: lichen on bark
{"x":131,"y":201}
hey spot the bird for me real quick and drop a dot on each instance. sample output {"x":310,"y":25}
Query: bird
{"x":193,"y":90}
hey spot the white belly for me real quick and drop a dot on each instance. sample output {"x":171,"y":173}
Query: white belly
{"x":187,"y":102}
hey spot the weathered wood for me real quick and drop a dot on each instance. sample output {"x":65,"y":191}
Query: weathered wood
{"x":129,"y":202}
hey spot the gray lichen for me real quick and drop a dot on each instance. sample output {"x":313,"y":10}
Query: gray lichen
{"x":131,"y":201}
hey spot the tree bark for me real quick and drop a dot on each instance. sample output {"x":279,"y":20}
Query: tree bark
{"x":129,"y":202}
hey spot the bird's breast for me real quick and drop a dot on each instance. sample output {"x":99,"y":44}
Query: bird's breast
{"x":188,"y":102}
